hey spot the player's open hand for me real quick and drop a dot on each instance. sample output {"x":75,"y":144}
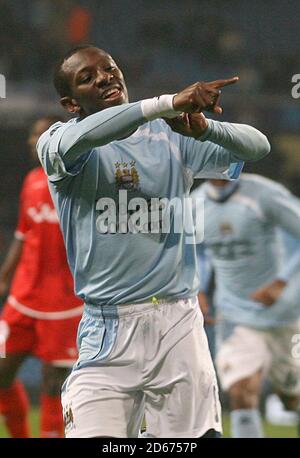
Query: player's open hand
{"x":188,"y":124}
{"x":269,"y":293}
{"x":202,"y":96}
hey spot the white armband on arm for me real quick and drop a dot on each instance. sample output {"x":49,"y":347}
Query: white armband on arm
{"x":159,"y":107}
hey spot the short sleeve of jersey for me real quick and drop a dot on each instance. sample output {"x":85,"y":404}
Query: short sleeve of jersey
{"x":209,"y":160}
{"x":48,"y":151}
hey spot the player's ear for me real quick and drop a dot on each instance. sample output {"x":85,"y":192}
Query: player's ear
{"x":70,"y":105}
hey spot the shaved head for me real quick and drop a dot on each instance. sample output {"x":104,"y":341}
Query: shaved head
{"x":61,"y":73}
{"x":88,"y":80}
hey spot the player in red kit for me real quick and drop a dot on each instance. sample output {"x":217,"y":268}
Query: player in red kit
{"x":41,"y":315}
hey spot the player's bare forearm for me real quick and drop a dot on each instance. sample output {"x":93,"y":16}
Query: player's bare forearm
{"x":9,"y":265}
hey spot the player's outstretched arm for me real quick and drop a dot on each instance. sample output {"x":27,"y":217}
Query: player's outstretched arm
{"x":117,"y":122}
{"x":59,"y":151}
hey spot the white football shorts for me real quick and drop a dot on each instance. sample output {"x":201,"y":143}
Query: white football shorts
{"x":242,"y":351}
{"x":141,"y":360}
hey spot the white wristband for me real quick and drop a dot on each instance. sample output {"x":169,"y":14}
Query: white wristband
{"x":159,"y":107}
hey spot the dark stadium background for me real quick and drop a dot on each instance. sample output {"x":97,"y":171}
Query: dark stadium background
{"x":161,"y":46}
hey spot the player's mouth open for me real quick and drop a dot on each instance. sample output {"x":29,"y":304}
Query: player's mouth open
{"x":112,"y":93}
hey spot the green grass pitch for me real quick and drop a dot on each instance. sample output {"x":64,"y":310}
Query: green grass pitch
{"x":270,"y":430}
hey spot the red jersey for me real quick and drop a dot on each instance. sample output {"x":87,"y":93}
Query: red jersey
{"x":42,"y":284}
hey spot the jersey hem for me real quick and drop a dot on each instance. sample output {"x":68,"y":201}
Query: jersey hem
{"x":61,"y":315}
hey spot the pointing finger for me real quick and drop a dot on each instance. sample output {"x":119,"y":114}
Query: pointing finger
{"x":226,"y":82}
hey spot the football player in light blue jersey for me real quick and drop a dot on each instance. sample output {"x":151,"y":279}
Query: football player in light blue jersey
{"x":257,"y":292}
{"x":139,"y":336}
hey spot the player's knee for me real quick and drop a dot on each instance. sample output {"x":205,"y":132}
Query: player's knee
{"x":290,"y":402}
{"x":53,"y":378}
{"x":243,"y":395}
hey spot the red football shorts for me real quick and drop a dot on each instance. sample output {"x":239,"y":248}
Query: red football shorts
{"x":53,"y":341}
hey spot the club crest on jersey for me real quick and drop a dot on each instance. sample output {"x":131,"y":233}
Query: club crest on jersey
{"x":126,"y":176}
{"x":226,"y":229}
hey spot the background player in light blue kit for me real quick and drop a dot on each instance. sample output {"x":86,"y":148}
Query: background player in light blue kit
{"x":141,"y":342}
{"x":257,"y":293}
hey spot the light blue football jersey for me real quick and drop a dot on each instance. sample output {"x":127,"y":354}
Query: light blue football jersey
{"x":244,"y":238}
{"x":95,"y":158}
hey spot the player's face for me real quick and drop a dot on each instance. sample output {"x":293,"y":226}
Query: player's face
{"x":36,"y":131}
{"x":96,"y":82}
{"x":219,"y":190}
